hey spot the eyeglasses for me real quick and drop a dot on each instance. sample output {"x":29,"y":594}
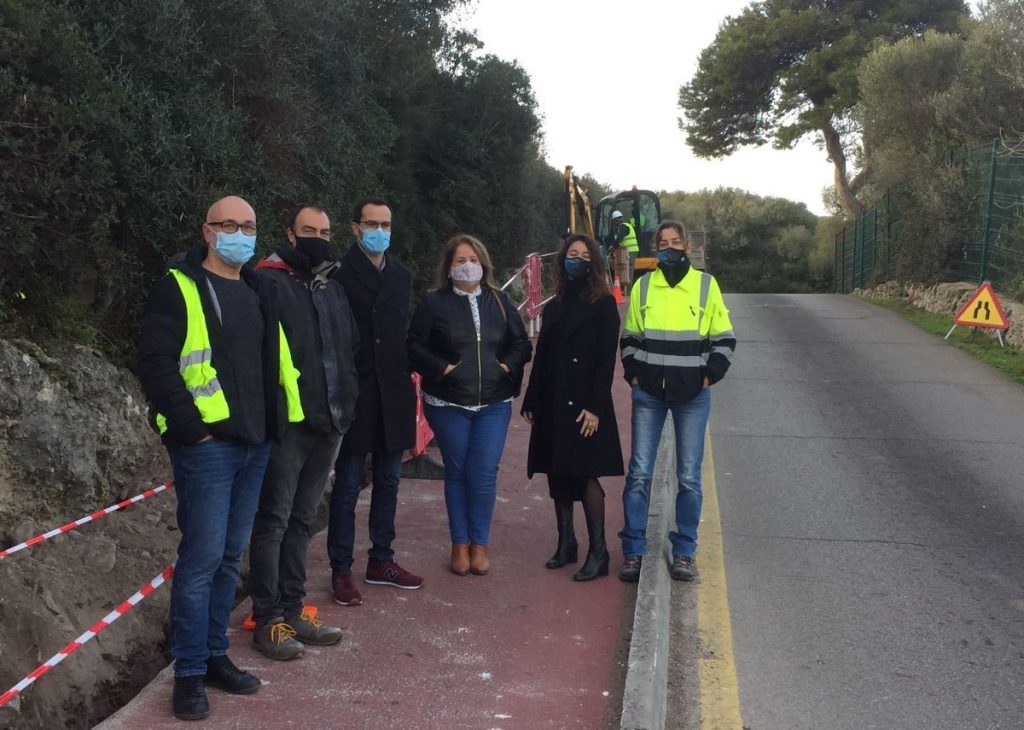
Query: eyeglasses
{"x":229,"y":226}
{"x":248,"y":229}
{"x":374,"y":225}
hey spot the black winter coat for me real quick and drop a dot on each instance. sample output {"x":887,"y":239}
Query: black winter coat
{"x":573,"y":371}
{"x":161,"y":336}
{"x":321,"y":334}
{"x":442,"y":333}
{"x":386,"y":410}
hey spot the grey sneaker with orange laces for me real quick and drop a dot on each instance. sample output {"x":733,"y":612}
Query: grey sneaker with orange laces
{"x":309,"y":630}
{"x":276,"y":640}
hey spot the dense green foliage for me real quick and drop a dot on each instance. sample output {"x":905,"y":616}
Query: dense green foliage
{"x":783,"y":69}
{"x":121,"y":120}
{"x":756,"y":244}
{"x":930,"y":108}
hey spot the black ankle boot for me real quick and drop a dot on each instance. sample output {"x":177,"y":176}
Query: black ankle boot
{"x":597,"y":556}
{"x":222,"y":673}
{"x":568,"y":549}
{"x":189,"y":698}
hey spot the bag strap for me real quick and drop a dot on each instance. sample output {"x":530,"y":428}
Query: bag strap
{"x":501,"y":306}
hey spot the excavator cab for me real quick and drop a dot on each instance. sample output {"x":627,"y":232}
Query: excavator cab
{"x":643,"y":209}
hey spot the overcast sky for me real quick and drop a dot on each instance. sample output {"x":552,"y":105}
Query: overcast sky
{"x":578,"y":52}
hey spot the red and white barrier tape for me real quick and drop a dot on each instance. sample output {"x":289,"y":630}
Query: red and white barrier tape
{"x":88,"y":518}
{"x":87,"y":636}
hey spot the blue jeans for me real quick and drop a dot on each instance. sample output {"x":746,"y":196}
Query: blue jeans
{"x":690,"y":420}
{"x":471,"y":445}
{"x":341,"y":530}
{"x":218,"y":486}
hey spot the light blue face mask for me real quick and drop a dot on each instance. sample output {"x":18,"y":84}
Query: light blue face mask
{"x":235,"y":249}
{"x":376,"y":242}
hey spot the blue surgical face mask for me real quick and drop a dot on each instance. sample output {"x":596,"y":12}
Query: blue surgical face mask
{"x":577,"y":268}
{"x":671,"y":256}
{"x":235,"y":249}
{"x":376,"y":242}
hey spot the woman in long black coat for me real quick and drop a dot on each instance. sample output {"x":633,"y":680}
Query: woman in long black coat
{"x":575,"y":438}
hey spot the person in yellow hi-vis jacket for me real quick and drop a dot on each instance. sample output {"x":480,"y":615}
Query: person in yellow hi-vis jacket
{"x":677,"y":343}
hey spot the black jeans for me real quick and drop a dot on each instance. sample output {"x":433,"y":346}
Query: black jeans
{"x":341,"y":530}
{"x":300,"y":463}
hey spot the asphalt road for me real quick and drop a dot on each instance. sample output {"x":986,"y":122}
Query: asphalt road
{"x":871,"y":485}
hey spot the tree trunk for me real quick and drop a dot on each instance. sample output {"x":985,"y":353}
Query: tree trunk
{"x":844,"y":191}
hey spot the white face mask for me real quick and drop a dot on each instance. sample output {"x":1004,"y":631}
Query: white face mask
{"x":467,"y":273}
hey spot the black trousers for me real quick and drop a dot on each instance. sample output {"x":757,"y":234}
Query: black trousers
{"x":300,"y":463}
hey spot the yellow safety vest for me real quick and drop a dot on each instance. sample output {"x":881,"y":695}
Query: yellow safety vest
{"x":289,"y":380}
{"x":196,"y":360}
{"x":629,"y":242}
{"x":196,"y":363}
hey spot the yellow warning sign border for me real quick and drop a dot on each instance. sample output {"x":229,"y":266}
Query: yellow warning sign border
{"x":986,"y":286}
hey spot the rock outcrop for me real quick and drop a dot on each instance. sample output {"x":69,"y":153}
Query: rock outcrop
{"x":74,"y":437}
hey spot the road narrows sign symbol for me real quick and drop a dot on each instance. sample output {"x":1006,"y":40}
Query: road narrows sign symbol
{"x":983,"y":310}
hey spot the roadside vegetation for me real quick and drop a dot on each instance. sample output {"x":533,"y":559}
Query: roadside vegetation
{"x":905,"y":96}
{"x":979,"y":344}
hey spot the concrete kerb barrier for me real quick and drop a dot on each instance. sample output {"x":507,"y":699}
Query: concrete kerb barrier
{"x":645,"y":697}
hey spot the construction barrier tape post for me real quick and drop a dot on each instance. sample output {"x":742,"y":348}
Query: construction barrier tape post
{"x":88,"y":518}
{"x":85,"y":638}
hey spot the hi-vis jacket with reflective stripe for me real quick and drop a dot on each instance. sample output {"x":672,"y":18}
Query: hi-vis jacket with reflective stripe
{"x":674,"y":337}
{"x":196,"y":362}
{"x":189,"y":371}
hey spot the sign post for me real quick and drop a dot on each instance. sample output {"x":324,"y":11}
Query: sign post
{"x":982,"y":310}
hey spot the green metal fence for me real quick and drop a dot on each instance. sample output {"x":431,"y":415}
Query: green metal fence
{"x":993,"y":224}
{"x":995,"y":249}
{"x":864,"y":249}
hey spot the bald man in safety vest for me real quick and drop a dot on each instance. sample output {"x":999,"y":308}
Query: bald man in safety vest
{"x":209,"y":370}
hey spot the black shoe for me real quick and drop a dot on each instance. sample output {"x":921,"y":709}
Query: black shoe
{"x":568,"y":549}
{"x":222,"y":674}
{"x":682,"y":568}
{"x":597,"y":554}
{"x":189,"y":698}
{"x":595,"y":566}
{"x":630,"y":570}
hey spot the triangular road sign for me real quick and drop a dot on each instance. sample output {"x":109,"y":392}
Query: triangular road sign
{"x":983,"y":310}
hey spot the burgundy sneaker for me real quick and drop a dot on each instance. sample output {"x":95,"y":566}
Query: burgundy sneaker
{"x":392,"y":574}
{"x":345,"y":591}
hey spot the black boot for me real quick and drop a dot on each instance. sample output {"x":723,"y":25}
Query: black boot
{"x":597,"y":556}
{"x":222,"y":673}
{"x":189,"y":698}
{"x":568,"y":549}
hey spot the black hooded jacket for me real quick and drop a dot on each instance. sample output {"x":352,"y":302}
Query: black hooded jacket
{"x":322,"y":335}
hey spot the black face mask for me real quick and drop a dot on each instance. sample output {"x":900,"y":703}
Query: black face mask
{"x":674,"y":264}
{"x":314,"y":248}
{"x":672,"y":256}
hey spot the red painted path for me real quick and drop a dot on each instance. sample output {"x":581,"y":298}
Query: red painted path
{"x":523,"y":647}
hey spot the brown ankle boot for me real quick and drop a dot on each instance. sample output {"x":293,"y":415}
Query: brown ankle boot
{"x":478,"y":562}
{"x":460,"y":558}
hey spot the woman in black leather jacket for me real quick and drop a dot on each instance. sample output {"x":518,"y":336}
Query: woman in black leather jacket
{"x":468,"y":342}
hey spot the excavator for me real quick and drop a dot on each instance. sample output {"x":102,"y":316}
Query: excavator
{"x":642,"y":207}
